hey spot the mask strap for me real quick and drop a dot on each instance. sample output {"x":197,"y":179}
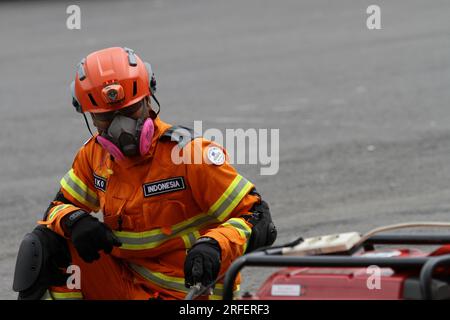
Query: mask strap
{"x":87,"y":123}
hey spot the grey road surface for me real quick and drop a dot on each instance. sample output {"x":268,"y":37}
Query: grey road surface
{"x":363,"y":115}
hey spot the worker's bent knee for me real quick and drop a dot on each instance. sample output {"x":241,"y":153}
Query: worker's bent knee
{"x":41,"y":255}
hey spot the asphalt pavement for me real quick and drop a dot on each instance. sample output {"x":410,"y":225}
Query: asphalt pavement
{"x":363,"y":115}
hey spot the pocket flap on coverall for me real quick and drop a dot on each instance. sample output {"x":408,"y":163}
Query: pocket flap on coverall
{"x":164,"y":214}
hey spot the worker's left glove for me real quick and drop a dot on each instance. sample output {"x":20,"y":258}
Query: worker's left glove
{"x":202,"y":264}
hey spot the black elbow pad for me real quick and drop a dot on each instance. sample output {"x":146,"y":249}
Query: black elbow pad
{"x":264,"y":232}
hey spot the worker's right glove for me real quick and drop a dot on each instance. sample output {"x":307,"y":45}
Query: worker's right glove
{"x":88,"y":235}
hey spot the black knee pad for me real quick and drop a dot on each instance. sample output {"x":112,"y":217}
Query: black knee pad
{"x":42,"y":256}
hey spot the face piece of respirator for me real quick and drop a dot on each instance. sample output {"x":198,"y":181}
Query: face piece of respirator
{"x":127,"y":137}
{"x":123,"y":131}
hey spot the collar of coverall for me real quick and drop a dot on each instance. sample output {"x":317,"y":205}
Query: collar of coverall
{"x":160,"y":128}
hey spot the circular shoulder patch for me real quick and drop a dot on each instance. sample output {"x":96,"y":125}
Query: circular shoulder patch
{"x":216,"y":155}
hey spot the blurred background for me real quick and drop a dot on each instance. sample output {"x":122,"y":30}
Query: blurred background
{"x":363,"y":115}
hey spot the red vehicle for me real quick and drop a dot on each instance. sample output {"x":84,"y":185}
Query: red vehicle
{"x":349,"y":267}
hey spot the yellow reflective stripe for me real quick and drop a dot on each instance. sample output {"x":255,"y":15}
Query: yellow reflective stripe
{"x":74,"y":194}
{"x":160,"y":279}
{"x":80,"y":191}
{"x":240,"y":226}
{"x":247,"y":187}
{"x":218,"y":292}
{"x":225,"y":195}
{"x":244,"y":230}
{"x":128,"y":245}
{"x":193,"y":221}
{"x":57,"y":209}
{"x":186,"y":241}
{"x":66,"y":295}
{"x":230,"y":198}
{"x":82,"y":185}
{"x":238,"y":188}
{"x":190,"y":238}
{"x":174,"y":283}
{"x":153,"y":238}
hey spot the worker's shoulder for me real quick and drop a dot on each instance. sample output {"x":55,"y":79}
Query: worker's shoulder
{"x":193,"y":149}
{"x":90,"y":143}
{"x":181,"y":135}
{"x":90,"y":146}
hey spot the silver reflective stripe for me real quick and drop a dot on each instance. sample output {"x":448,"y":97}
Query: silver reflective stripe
{"x":57,"y":209}
{"x":153,"y":238}
{"x":232,"y":196}
{"x":161,"y":236}
{"x":158,"y":279}
{"x":238,"y":225}
{"x":82,"y":193}
{"x":192,"y":239}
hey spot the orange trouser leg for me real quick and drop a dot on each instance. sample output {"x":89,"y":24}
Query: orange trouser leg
{"x":106,"y":278}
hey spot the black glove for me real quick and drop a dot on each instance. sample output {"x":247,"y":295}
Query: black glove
{"x":89,"y":235}
{"x":41,"y":260}
{"x":202,"y":263}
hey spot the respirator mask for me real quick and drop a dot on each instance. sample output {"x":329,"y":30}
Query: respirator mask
{"x":125,"y":136}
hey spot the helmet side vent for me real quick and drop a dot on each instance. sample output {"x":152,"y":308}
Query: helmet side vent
{"x":134,"y":88}
{"x":92,"y":100}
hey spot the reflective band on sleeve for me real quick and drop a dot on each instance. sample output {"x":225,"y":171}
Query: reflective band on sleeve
{"x":66,"y":295}
{"x":80,"y":191}
{"x":230,"y":198}
{"x":57,"y":209}
{"x":244,"y":230}
{"x":190,"y":238}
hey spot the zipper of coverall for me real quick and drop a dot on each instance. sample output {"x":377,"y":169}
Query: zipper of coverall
{"x":120,"y":218}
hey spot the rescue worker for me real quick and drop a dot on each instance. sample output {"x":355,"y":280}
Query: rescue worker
{"x":166,"y":224}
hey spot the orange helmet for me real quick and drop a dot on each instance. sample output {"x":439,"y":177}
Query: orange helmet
{"x":111,"y":79}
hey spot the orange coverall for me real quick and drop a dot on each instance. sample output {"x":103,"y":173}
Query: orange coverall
{"x":157,"y":209}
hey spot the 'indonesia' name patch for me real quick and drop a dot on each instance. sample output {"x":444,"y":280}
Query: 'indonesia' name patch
{"x":163,"y":186}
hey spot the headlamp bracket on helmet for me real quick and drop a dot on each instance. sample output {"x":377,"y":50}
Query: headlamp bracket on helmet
{"x":113,"y":94}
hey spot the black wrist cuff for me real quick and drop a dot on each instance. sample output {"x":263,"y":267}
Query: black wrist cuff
{"x":69,"y":220}
{"x":207,"y":240}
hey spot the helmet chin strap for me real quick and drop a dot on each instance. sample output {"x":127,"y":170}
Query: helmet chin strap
{"x":87,"y":123}
{"x":157,"y":102}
